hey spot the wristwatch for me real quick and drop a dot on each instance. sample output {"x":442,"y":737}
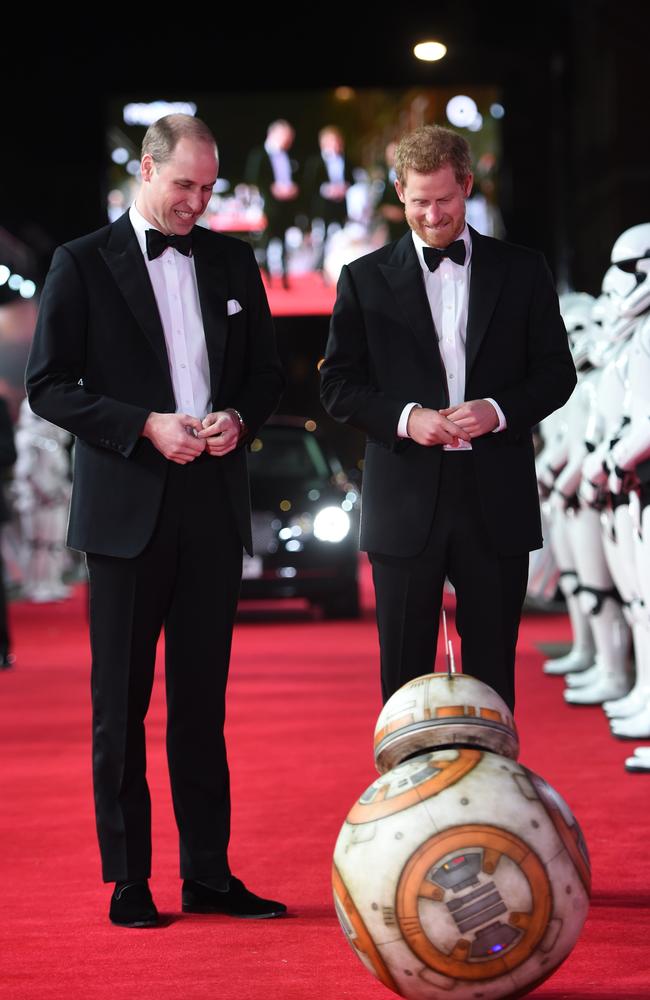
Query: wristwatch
{"x":243,"y":430}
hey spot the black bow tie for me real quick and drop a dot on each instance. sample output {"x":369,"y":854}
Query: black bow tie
{"x":157,"y":242}
{"x":433,"y":255}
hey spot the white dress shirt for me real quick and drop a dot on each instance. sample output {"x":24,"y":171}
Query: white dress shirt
{"x":335,"y":165}
{"x":447,"y":291}
{"x":173,"y":277}
{"x":280,"y":163}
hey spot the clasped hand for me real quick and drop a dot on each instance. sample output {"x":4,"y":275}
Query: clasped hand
{"x":182,"y":438}
{"x":452,"y":424}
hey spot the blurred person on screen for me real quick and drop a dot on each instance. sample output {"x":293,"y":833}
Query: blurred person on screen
{"x":272,"y":170}
{"x":326,"y":180}
{"x":390,"y":210}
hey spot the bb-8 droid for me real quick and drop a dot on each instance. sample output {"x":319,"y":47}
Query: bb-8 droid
{"x":459,"y":873}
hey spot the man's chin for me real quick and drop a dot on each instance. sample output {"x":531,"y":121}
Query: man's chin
{"x":437,"y":239}
{"x":181,"y":227}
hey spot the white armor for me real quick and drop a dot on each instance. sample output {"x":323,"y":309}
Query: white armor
{"x":628,"y":462}
{"x":600,"y":557}
{"x":564,"y":435}
{"x":41,"y":495}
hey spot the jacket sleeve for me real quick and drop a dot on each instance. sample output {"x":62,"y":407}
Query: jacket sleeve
{"x":551,"y":374}
{"x":7,"y":443}
{"x":55,"y":367}
{"x":349,"y":391}
{"x":262,"y":388}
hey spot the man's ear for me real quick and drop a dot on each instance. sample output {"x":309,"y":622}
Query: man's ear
{"x":147,"y":166}
{"x":469,"y":183}
{"x":400,"y":191}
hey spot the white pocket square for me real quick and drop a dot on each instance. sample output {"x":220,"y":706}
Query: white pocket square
{"x":233,"y":307}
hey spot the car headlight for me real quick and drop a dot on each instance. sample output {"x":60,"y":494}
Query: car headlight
{"x":331,"y":524}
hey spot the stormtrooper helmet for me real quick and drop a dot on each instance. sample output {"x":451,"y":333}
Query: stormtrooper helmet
{"x":578,"y":319}
{"x":631,"y":254}
{"x":610,"y":326}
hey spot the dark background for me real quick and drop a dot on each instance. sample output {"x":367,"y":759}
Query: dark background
{"x":573,"y":77}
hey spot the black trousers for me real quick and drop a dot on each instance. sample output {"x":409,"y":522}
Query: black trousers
{"x":187,"y":579}
{"x":490,"y":591}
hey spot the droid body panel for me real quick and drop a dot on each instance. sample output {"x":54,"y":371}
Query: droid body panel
{"x":461,"y":871}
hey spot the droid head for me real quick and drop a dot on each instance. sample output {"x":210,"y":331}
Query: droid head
{"x":631,"y":253}
{"x":443,"y":710}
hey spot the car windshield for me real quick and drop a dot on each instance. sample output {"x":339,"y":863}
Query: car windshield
{"x":287,"y":453}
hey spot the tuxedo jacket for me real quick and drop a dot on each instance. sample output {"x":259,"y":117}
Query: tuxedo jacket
{"x":98,"y":366}
{"x":259,"y":171}
{"x":382,"y":353}
{"x":7,"y":456}
{"x":317,"y":206}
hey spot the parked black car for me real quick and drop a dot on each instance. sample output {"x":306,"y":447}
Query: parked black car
{"x":305,"y":520}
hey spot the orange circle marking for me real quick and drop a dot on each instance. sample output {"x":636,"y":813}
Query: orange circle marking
{"x":570,"y":834}
{"x":360,"y":940}
{"x":448,"y":772}
{"x":414,"y":886}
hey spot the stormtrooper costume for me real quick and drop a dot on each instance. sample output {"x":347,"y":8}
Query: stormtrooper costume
{"x":41,"y":495}
{"x":628,"y":462}
{"x":564,"y":432}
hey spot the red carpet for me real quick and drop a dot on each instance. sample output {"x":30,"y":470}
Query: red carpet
{"x":307,"y":295}
{"x":303,"y":701}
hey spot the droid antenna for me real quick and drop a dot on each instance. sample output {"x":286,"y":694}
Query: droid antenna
{"x":452,"y":662}
{"x":449,"y":652}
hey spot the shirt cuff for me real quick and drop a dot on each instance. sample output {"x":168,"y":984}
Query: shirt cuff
{"x":404,"y":419}
{"x":502,"y":420}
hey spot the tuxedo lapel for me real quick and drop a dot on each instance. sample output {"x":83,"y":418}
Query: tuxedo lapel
{"x":485,"y":286}
{"x":124,"y":258}
{"x":404,"y":276}
{"x":126,"y":263}
{"x":212,"y":281}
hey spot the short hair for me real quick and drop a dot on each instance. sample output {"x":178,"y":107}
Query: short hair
{"x":161,"y":138}
{"x":330,"y":130}
{"x":431,"y":147}
{"x":279,"y":122}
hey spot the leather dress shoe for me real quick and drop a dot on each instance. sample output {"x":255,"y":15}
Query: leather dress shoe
{"x":235,"y":901}
{"x":133,"y":906}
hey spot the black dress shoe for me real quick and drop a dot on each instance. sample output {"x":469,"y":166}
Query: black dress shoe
{"x":236,"y":901}
{"x":132,"y":905}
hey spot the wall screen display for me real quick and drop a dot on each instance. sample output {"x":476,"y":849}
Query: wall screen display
{"x":307,"y":178}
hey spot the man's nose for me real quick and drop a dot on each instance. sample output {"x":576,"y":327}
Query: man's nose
{"x":195,"y":201}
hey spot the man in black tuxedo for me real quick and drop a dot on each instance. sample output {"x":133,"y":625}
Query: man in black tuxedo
{"x":272,"y":170}
{"x":7,"y":460}
{"x":327,"y":178}
{"x":447,"y":347}
{"x":155,"y":347}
